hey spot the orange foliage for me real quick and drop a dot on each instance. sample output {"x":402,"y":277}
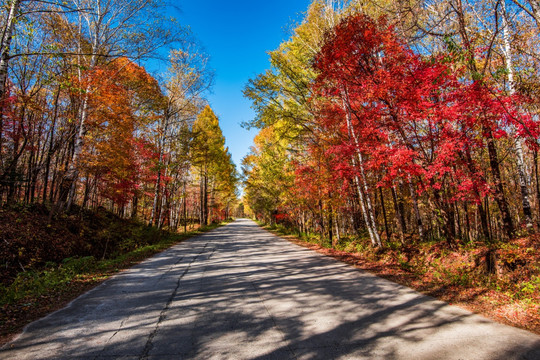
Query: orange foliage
{"x":125,"y":102}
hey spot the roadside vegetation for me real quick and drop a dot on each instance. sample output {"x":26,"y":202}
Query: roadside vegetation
{"x":44,"y":266}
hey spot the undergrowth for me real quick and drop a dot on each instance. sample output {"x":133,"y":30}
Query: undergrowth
{"x":46,"y":265}
{"x":37,"y":282}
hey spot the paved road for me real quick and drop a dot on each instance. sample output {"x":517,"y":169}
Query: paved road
{"x":239,"y":292}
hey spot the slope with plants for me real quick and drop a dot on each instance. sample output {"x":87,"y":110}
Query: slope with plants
{"x":44,"y":265}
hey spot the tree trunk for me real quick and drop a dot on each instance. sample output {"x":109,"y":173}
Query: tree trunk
{"x":447,"y":214}
{"x":357,"y":162}
{"x":204,"y":197}
{"x":481,"y":209}
{"x":537,"y":178}
{"x":500,"y":198}
{"x":70,"y":178}
{"x":29,"y":176}
{"x":201,"y":196}
{"x":163,"y":202}
{"x":7,"y":36}
{"x":164,"y":208}
{"x":51,"y":143}
{"x":507,"y":51}
{"x":205,"y":193}
{"x":134,"y":206}
{"x":11,"y":172}
{"x":321,"y":218}
{"x":400,"y":214}
{"x":386,"y":228}
{"x":416,"y":209}
{"x":336,"y":222}
{"x":185,"y":207}
{"x":525,"y":203}
{"x":156,"y":197}
{"x":86,"y":191}
{"x":467,"y":222}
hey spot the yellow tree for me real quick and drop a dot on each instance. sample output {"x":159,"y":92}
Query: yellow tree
{"x":207,"y":149}
{"x":267,"y":173}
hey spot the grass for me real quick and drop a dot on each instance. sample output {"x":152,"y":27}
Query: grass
{"x":32,"y":284}
{"x":49,"y":286}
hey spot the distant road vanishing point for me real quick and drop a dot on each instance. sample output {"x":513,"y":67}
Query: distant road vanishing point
{"x":239,"y":292}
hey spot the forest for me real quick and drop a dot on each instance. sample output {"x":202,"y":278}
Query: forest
{"x":83,"y":124}
{"x":402,"y":138}
{"x":401,"y":121}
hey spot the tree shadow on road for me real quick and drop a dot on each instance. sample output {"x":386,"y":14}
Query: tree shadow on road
{"x":241,"y":293}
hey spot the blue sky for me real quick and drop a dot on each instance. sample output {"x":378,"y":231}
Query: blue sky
{"x":237,"y":35}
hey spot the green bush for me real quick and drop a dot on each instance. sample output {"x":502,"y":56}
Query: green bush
{"x":78,"y":265}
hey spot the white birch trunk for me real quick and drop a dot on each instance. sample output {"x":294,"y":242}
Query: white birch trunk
{"x":7,"y":36}
{"x":507,"y":51}
{"x":367,"y":208}
{"x":163,"y":201}
{"x":70,"y":178}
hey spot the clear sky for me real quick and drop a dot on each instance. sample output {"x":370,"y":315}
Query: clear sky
{"x":237,"y":34}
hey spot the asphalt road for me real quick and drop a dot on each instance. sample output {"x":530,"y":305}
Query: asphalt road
{"x":239,"y":292}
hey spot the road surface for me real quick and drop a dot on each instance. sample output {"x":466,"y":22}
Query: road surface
{"x":239,"y":292}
